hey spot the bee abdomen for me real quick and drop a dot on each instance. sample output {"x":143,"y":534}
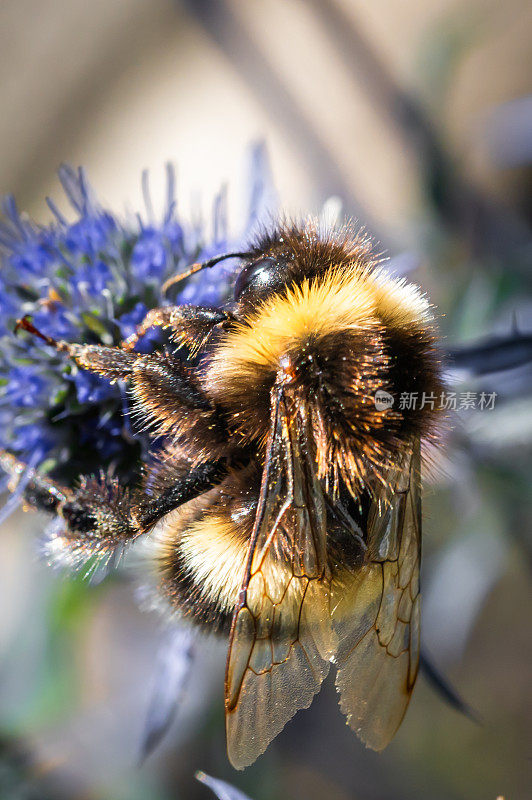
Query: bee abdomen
{"x":199,"y":553}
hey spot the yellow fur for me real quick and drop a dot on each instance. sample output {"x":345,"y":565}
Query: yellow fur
{"x":214,"y":553}
{"x":343,"y":300}
{"x":397,"y":302}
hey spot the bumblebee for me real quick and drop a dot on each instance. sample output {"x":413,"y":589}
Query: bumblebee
{"x":285,"y":507}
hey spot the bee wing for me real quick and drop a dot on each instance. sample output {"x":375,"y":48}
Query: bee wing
{"x":281,"y":638}
{"x":376,"y":613}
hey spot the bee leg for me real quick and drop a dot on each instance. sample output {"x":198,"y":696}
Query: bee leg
{"x":166,"y":392}
{"x":200,"y":479}
{"x":189,"y":325}
{"x":101,"y":517}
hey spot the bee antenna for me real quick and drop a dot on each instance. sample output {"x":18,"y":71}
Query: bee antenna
{"x":197,"y":267}
{"x":25,"y":324}
{"x":62,"y":347}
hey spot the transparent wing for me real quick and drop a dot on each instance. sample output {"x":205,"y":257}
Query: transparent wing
{"x":375,"y":613}
{"x":281,"y":640}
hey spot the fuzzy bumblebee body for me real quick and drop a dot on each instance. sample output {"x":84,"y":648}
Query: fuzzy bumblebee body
{"x":286,"y":507}
{"x":329,"y":333}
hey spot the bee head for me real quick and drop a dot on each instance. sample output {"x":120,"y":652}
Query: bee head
{"x":259,"y":279}
{"x":290,"y":255}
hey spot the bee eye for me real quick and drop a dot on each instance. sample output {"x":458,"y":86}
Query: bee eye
{"x":258,"y":278}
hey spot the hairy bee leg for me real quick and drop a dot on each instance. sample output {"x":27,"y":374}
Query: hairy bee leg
{"x":199,"y":480}
{"x":101,"y":516}
{"x":166,"y":392}
{"x":78,"y":507}
{"x":190,"y":325}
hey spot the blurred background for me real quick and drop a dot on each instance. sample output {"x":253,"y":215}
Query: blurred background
{"x":417,"y":117}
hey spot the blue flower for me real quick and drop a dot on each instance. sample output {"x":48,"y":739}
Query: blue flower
{"x":150,"y":255}
{"x":25,"y":387}
{"x":55,"y":321}
{"x":91,"y":234}
{"x":93,"y":279}
{"x":32,"y":438}
{"x":91,"y":388}
{"x":9,"y":307}
{"x":156,"y":250}
{"x":32,"y":258}
{"x":103,"y":436}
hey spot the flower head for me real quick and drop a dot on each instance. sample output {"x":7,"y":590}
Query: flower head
{"x":92,"y":279}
